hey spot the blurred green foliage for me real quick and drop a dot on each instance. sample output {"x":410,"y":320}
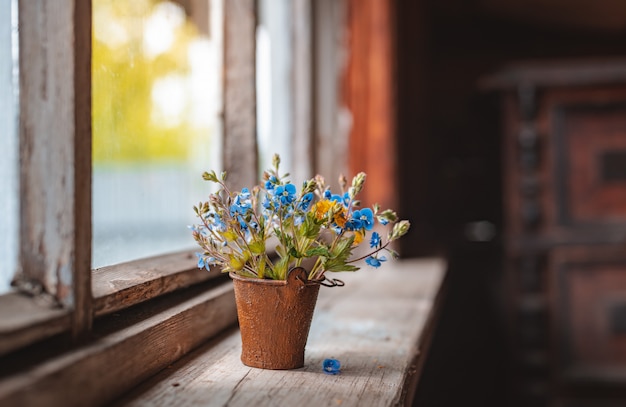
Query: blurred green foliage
{"x":124,"y":73}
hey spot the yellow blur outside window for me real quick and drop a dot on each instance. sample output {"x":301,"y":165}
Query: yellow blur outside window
{"x":156,"y":99}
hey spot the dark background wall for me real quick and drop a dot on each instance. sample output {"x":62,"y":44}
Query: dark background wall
{"x":449,"y":140}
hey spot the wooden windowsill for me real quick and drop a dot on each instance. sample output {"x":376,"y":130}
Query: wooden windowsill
{"x":123,"y":285}
{"x":378,"y":326}
{"x":26,"y":319}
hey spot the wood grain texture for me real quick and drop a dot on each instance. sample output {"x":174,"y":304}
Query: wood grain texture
{"x":376,"y":326}
{"x":120,"y":359}
{"x":82,"y":317}
{"x":370,"y":93}
{"x":55,"y":151}
{"x":302,"y":91}
{"x":240,"y":145}
{"x":47,"y":144}
{"x":24,"y":320}
{"x":121,"y":286}
{"x":332,"y":122}
{"x":583,"y":72}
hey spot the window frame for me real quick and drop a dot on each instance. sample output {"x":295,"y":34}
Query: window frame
{"x":56,"y":290}
{"x":149,"y":312}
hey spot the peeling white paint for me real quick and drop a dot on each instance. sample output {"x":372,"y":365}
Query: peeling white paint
{"x":9,"y":148}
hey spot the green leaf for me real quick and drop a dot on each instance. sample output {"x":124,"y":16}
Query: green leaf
{"x":343,"y":248}
{"x":339,"y":256}
{"x":317,"y":251}
{"x":294,"y":253}
{"x":261,"y":269}
{"x":280,"y":269}
{"x":257,"y":247}
{"x":229,"y":235}
{"x":337,"y":265}
{"x":280,"y":250}
{"x":309,"y":228}
{"x":235,"y":263}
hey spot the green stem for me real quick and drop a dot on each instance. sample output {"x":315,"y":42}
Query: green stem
{"x":369,"y":254}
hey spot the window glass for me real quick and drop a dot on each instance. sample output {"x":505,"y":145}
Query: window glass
{"x":156,"y":98}
{"x":274,"y":79}
{"x":9,"y":147}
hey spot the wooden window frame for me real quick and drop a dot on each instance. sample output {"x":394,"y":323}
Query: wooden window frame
{"x":149,"y":312}
{"x":56,"y":290}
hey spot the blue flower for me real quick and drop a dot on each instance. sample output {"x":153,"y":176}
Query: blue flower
{"x":242,"y":203}
{"x":245,"y":194}
{"x":215,"y":223}
{"x":366,"y":217}
{"x":270,"y":184}
{"x":375,"y":240}
{"x":286,"y":193}
{"x":336,"y":198}
{"x":361,"y":219}
{"x":383,"y":221}
{"x":374,"y":261}
{"x":331,"y":366}
{"x":204,"y":262}
{"x":353,"y":224}
{"x":242,"y":222}
{"x":305,"y":202}
{"x":346,"y":199}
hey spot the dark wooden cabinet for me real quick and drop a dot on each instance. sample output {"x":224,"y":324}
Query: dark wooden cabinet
{"x":564,"y":175}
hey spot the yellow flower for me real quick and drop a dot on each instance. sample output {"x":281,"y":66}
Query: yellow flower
{"x":358,"y":238}
{"x":322,"y":207}
{"x":340,"y":218}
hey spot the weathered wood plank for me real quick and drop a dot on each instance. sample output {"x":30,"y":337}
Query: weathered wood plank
{"x":121,"y":286}
{"x":377,"y":326}
{"x":370,"y":93}
{"x":112,"y":364}
{"x":584,"y":72}
{"x":24,"y":320}
{"x":302,"y":91}
{"x":240,"y":144}
{"x":82,"y":317}
{"x":332,"y":121}
{"x":55,"y":152}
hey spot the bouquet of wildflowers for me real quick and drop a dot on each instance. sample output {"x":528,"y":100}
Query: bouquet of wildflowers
{"x":236,"y":227}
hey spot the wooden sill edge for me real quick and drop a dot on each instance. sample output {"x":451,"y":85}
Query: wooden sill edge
{"x":25,"y":319}
{"x":114,"y":363}
{"x":123,"y":285}
{"x":423,"y":345}
{"x":218,"y":362}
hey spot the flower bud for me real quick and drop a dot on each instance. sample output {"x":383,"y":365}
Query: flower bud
{"x":357,"y":184}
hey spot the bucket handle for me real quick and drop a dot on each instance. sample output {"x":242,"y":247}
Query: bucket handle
{"x":326,"y":282}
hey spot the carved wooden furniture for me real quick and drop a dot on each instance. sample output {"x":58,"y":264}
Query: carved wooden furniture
{"x":564,"y":174}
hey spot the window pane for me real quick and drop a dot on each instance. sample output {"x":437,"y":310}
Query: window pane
{"x":156,"y":98}
{"x":274,"y":81}
{"x":9,"y":191}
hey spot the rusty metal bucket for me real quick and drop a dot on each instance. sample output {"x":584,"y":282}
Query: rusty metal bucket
{"x":274,"y":319}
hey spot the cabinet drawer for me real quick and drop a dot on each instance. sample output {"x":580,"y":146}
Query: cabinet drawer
{"x":588,"y":294}
{"x":590,"y":163}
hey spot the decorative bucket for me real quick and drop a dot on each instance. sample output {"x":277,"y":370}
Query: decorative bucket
{"x":274,"y":319}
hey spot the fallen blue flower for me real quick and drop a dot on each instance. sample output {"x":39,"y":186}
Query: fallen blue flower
{"x":331,"y":366}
